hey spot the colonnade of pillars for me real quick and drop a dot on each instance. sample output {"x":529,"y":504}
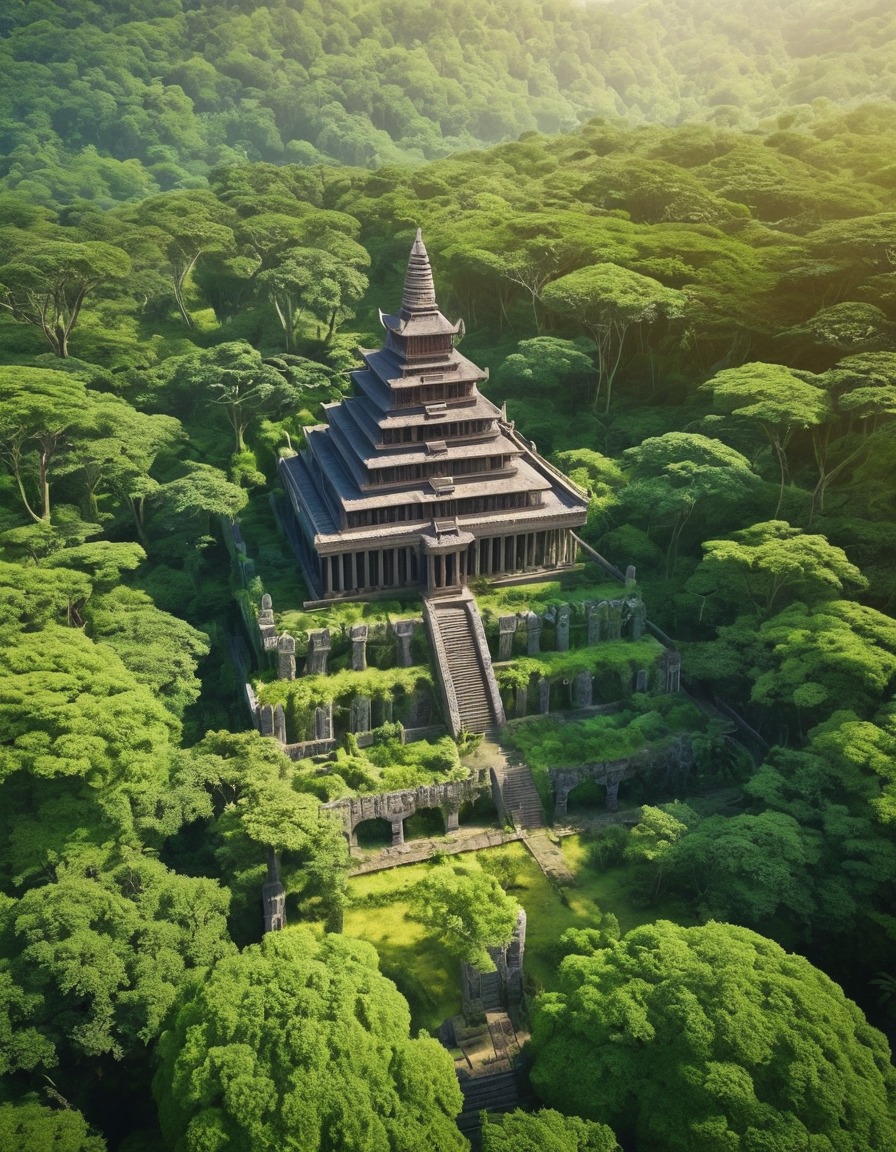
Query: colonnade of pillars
{"x":381,"y":568}
{"x":446,"y":570}
{"x":490,"y":556}
{"x":518,"y":553}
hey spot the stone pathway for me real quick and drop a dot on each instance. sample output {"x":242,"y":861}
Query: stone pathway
{"x":548,"y":856}
{"x":413,"y":851}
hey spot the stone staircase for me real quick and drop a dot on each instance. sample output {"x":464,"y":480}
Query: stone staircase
{"x":466,"y":667}
{"x":522,"y":804}
{"x":495,"y":1093}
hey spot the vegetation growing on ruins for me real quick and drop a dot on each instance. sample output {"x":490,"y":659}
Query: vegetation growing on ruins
{"x":692,"y":312}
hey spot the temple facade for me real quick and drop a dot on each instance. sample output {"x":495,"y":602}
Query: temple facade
{"x":417,"y":482}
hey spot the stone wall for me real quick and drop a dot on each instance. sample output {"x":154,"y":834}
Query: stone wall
{"x":396,"y":807}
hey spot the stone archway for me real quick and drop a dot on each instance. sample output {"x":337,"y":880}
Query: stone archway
{"x":373,"y":833}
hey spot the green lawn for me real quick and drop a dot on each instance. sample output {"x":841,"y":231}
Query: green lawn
{"x":425,"y":972}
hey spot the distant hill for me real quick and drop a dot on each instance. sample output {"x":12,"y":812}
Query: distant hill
{"x":111,"y":100}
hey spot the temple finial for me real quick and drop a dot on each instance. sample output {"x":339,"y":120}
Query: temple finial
{"x":419,"y":289}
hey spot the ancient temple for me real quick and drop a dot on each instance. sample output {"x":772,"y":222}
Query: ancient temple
{"x":417,"y":481}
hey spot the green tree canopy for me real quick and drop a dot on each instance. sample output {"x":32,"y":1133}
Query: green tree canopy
{"x":299,"y":1044}
{"x":608,"y":301}
{"x":545,"y":1131}
{"x":769,"y":564}
{"x":39,"y":410}
{"x":48,"y":281}
{"x":777,"y":398}
{"x":713,"y":1037}
{"x":468,"y":909}
{"x":28,"y":1126}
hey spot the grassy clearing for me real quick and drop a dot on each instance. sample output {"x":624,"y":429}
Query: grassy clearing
{"x":422,"y":969}
{"x":429,"y":977}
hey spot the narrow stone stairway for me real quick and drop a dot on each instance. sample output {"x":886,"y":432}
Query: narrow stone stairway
{"x":521,"y":800}
{"x":465,"y":667}
{"x":496,"y":1093}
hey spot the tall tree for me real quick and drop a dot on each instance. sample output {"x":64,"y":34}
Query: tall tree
{"x":301,"y":1043}
{"x":609,"y":301}
{"x":39,"y":409}
{"x":185,"y":226}
{"x":47,"y":282}
{"x":778,"y":399}
{"x":779,"y":1059}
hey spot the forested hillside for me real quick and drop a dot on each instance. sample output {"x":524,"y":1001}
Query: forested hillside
{"x":115,"y":101}
{"x":692,"y":313}
{"x":715,"y":310}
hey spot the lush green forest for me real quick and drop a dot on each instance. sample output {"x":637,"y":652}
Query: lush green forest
{"x":117,"y":101}
{"x":691,"y":311}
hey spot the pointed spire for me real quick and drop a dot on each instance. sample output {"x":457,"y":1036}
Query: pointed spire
{"x":419,"y":289}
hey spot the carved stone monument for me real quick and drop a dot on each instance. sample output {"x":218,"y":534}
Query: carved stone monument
{"x":582,"y":690}
{"x":534,"y":625}
{"x":544,"y":696}
{"x":404,"y":630}
{"x":593,"y":618}
{"x":670,"y":670}
{"x":323,"y":723}
{"x":563,"y":628}
{"x":273,"y":896}
{"x":361,"y":714}
{"x":359,"y":647}
{"x":280,"y":724}
{"x":637,"y":617}
{"x":614,"y":619}
{"x":318,"y":651}
{"x":506,"y":631}
{"x":286,"y":657}
{"x":520,"y":703}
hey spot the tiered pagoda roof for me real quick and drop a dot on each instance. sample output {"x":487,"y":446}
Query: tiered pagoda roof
{"x":418,"y":442}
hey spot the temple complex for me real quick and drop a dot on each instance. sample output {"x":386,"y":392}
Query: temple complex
{"x":417,"y":481}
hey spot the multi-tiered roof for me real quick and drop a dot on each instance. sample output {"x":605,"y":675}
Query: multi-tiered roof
{"x":418,"y":450}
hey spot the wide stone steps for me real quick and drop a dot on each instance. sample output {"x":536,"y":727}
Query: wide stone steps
{"x":497,"y":1093}
{"x":464,"y":669}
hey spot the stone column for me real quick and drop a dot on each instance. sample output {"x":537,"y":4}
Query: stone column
{"x":506,"y":631}
{"x":582,"y":688}
{"x":266,"y":720}
{"x":521,"y":701}
{"x":273,"y":896}
{"x":318,"y":651}
{"x":280,"y":724}
{"x":641,"y":680}
{"x":563,"y":628}
{"x":593,"y":618}
{"x":533,"y":634}
{"x":266,"y":612}
{"x":637,"y":617}
{"x":397,"y":831}
{"x":360,"y":714}
{"x":450,"y":816}
{"x":323,"y":723}
{"x":614,"y":619}
{"x":359,"y":647}
{"x":404,"y":630}
{"x":613,"y":793}
{"x":544,"y":696}
{"x":630,"y":576}
{"x":670,"y":671}
{"x":286,"y":657}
